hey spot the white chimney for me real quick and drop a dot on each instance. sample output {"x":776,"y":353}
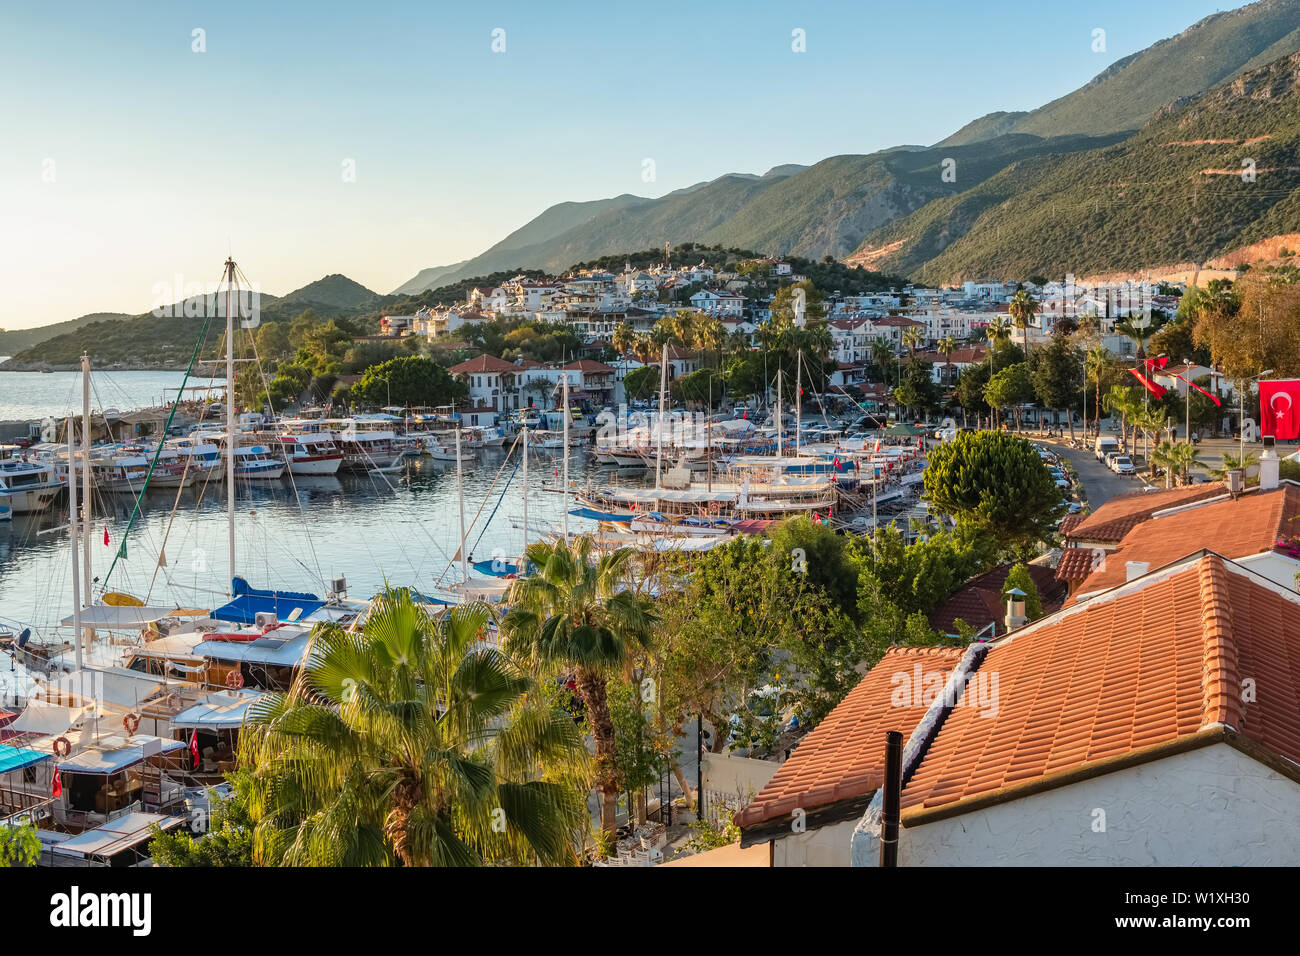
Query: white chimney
{"x":1135,"y":569}
{"x":1270,"y":470}
{"x":1015,"y":609}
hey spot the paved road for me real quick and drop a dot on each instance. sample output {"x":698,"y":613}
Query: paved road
{"x":1100,"y":484}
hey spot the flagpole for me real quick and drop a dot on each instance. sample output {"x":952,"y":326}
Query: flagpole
{"x":72,"y":537}
{"x":86,"y":508}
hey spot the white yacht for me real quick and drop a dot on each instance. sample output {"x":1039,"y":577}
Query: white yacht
{"x":26,"y":485}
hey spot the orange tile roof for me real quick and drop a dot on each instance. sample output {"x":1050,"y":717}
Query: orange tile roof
{"x":844,"y":757}
{"x":1121,"y":514}
{"x":1158,"y":662}
{"x":483,"y":363}
{"x":1075,"y":564}
{"x":1251,"y":524}
{"x":979,"y":602}
{"x":1069,"y":523}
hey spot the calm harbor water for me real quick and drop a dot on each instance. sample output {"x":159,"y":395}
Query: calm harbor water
{"x":399,"y":528}
{"x":35,"y":395}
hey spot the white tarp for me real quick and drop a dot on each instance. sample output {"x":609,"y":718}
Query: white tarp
{"x":41,"y":717}
{"x":111,"y":754}
{"x":109,"y":616}
{"x":220,"y":711}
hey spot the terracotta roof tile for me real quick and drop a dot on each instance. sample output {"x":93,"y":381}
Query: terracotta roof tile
{"x":1075,"y":564}
{"x":1158,"y":661}
{"x":483,"y":363}
{"x":844,"y":757}
{"x":1121,"y":514}
{"x":1251,"y":524}
{"x":979,"y":601}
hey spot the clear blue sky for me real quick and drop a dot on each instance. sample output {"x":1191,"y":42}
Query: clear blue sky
{"x":163,"y":158}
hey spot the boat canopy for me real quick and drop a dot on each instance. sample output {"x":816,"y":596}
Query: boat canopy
{"x":249,"y":602}
{"x":274,"y":649}
{"x":117,"y":835}
{"x":110,"y":616}
{"x":220,"y":711}
{"x":15,"y":758}
{"x":116,"y":753}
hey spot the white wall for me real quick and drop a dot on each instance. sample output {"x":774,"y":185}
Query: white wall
{"x":1213,"y":806}
{"x":826,"y":846}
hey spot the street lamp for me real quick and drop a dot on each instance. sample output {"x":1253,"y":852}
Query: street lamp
{"x":1241,"y":420}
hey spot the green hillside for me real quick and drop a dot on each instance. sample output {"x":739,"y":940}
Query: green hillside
{"x":1130,"y":91}
{"x":15,"y":341}
{"x":1172,"y":193}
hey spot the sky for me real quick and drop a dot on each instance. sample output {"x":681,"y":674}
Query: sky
{"x":376,"y":139}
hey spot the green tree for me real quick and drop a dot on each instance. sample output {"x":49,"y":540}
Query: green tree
{"x":1018,"y":577}
{"x":1022,"y":308}
{"x":642,"y":383}
{"x":228,"y":836}
{"x":409,"y":380}
{"x":996,"y":482}
{"x":1057,"y":377}
{"x":410,"y":741}
{"x":574,"y":613}
{"x":1010,"y":388}
{"x":19,"y":846}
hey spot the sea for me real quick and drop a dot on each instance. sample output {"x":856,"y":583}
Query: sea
{"x":26,"y":396}
{"x":299,"y":533}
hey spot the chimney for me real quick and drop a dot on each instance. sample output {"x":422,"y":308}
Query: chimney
{"x":1270,"y":470}
{"x":1236,"y":481}
{"x":893,"y":798}
{"x":1135,"y":569}
{"x":1015,"y":609}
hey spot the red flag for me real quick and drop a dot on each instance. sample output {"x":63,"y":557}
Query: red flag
{"x":1154,"y":363}
{"x":836,"y":463}
{"x":194,"y":747}
{"x":1210,"y":395}
{"x":106,"y":536}
{"x":1157,"y":390}
{"x":56,"y":790}
{"x":1279,"y":408}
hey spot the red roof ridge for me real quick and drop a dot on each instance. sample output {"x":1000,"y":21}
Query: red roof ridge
{"x":1220,"y":683}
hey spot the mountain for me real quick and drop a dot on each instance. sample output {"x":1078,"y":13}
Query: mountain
{"x":1131,"y":90}
{"x":1173,"y":193}
{"x":332,"y":292}
{"x":813,"y":211}
{"x":11,"y":343}
{"x":166,"y":341}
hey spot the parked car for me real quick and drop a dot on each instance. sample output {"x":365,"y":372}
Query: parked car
{"x":1122,"y":465}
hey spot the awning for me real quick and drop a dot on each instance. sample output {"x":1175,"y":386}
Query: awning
{"x":221,"y":711}
{"x":117,"y":835}
{"x":15,"y":758}
{"x":42,"y":717}
{"x":278,"y":651}
{"x":116,"y":753}
{"x":110,"y":617}
{"x":249,"y":602}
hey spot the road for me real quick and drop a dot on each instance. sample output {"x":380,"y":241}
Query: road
{"x":1100,"y":484}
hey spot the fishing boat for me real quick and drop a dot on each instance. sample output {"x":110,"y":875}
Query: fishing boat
{"x":26,"y":485}
{"x":258,"y":463}
{"x":308,"y":454}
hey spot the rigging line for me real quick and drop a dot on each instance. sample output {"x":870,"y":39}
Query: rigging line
{"x":488,"y":523}
{"x":474,"y":520}
{"x":288,"y":467}
{"x":158,"y":452}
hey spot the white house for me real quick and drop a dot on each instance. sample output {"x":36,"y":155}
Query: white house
{"x":718,"y":302}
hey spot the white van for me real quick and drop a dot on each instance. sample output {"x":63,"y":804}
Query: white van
{"x":1105,"y":445}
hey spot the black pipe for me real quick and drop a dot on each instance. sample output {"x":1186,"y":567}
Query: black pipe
{"x":699,"y":767}
{"x":893,"y":798}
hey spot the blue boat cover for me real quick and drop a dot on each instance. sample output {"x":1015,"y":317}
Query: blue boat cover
{"x":15,"y":758}
{"x":495,"y":568}
{"x":249,"y":602}
{"x":595,"y":515}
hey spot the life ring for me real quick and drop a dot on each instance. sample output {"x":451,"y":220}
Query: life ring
{"x":62,"y":746}
{"x":714,"y":507}
{"x":511,"y":577}
{"x":235,"y":680}
{"x":131,"y":722}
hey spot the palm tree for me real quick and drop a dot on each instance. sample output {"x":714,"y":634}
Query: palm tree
{"x":911,"y":339}
{"x":573,"y":614}
{"x":882,"y":354}
{"x":643,"y":347}
{"x":1166,"y":458}
{"x":1121,"y":400}
{"x":1185,"y":457}
{"x":1096,"y":364}
{"x":409,"y":741}
{"x":947,"y":345}
{"x":1022,"y":308}
{"x":1153,"y":422}
{"x":1232,"y":462}
{"x":999,"y":330}
{"x":624,"y":338}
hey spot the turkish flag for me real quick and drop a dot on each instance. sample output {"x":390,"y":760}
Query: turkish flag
{"x":1154,"y":388}
{"x":194,"y":746}
{"x":1279,"y":408}
{"x":106,"y":536}
{"x":57,"y":789}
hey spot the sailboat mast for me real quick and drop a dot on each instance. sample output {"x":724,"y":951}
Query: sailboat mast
{"x":565,"y":500}
{"x":778,"y":412}
{"x":230,"y":425}
{"x":460,"y":497}
{"x":86,"y":504}
{"x":798,"y":398}
{"x":659,"y":441}
{"x":524,"y":552}
{"x":72,"y":536}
